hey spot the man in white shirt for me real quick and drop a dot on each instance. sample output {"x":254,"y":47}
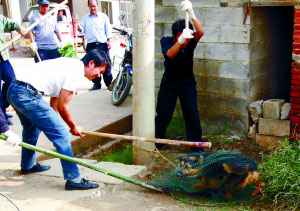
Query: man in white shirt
{"x":59,"y":79}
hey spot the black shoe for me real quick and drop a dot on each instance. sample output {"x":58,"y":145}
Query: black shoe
{"x":36,"y":168}
{"x":9,"y":122}
{"x":9,"y":115}
{"x":95,"y":87}
{"x":83,"y":185}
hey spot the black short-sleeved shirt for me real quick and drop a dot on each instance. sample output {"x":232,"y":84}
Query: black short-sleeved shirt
{"x":179,"y":70}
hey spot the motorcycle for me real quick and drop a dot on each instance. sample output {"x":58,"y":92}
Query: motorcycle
{"x":123,"y":80}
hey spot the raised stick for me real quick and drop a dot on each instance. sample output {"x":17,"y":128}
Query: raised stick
{"x":160,"y":141}
{"x":33,"y":25}
{"x":187,"y":19}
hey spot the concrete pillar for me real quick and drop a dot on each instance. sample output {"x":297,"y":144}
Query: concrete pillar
{"x":143,"y":79}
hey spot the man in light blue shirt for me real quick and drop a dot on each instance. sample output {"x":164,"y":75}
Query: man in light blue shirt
{"x":43,"y":39}
{"x":97,"y":29}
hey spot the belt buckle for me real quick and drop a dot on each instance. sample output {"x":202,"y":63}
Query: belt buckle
{"x":37,"y":93}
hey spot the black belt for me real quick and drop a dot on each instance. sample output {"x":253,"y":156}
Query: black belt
{"x":97,"y":43}
{"x":28,"y":86}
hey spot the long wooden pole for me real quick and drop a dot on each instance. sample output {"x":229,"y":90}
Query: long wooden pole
{"x":161,"y":141}
{"x":38,"y":55}
{"x":33,"y":25}
{"x":85,"y":164}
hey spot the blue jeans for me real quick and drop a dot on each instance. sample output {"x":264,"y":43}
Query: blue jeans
{"x":47,"y":54}
{"x":7,"y":75}
{"x":36,"y":115}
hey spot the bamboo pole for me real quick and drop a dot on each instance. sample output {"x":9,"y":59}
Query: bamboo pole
{"x":33,"y":25}
{"x":85,"y":164}
{"x":161,"y":141}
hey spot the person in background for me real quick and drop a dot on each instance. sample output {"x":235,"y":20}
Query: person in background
{"x":61,"y":16}
{"x":58,"y":78}
{"x":43,"y":40}
{"x":97,"y":30}
{"x":7,"y":74}
{"x":178,"y":79}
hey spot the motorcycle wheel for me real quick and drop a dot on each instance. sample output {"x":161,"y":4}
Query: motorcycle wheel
{"x":121,"y":90}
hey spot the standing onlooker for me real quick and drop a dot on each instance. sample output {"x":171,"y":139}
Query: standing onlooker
{"x":97,"y":29}
{"x":6,"y":70}
{"x":43,"y":39}
{"x":178,"y":79}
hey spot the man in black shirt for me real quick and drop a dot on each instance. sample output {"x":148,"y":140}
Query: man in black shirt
{"x":178,"y":79}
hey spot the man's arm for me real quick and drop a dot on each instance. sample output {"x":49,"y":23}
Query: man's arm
{"x":31,"y":37}
{"x":9,"y":24}
{"x":64,"y":100}
{"x":53,"y":103}
{"x":59,"y":37}
{"x":199,"y":29}
{"x":108,"y":31}
{"x":173,"y":51}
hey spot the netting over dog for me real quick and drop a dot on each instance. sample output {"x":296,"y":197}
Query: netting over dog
{"x":220,"y":174}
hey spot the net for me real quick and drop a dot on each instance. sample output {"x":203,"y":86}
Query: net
{"x":219,"y":174}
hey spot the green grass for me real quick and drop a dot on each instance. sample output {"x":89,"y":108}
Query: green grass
{"x":176,"y":128}
{"x":281,"y":173}
{"x":123,"y":156}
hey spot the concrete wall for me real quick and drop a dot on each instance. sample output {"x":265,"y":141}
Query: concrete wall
{"x":234,"y":63}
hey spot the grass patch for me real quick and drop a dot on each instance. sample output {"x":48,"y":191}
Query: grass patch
{"x":119,"y":156}
{"x":281,"y":173}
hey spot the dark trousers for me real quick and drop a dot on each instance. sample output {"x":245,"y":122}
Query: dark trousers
{"x":7,"y":75}
{"x":47,"y":54}
{"x":166,"y":102}
{"x":107,"y":76}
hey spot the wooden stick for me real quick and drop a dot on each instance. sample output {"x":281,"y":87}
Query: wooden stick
{"x":186,"y":19}
{"x":33,"y":25}
{"x":160,"y":141}
{"x":38,"y":55}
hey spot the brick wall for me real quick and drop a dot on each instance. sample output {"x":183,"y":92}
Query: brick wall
{"x":295,"y":77}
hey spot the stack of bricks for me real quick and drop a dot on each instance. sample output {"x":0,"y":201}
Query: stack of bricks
{"x":272,"y":129}
{"x":295,"y":78}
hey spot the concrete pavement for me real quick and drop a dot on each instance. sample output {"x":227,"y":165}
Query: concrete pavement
{"x":45,"y":191}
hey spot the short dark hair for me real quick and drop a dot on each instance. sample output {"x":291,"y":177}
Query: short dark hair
{"x":99,"y":57}
{"x":94,"y":0}
{"x":178,"y":26}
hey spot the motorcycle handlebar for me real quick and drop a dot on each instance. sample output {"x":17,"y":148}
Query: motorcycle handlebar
{"x":123,"y":32}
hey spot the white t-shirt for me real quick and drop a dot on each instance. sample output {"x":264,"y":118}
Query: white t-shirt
{"x":50,"y":76}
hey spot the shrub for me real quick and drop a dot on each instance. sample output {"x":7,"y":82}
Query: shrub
{"x":281,"y":173}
